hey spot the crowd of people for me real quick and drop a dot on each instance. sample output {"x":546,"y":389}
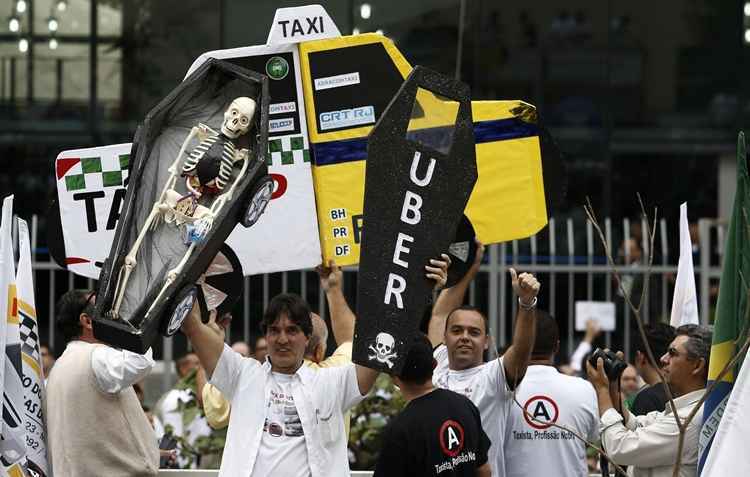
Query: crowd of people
{"x":286,"y":405}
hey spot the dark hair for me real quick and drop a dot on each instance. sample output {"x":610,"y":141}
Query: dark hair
{"x":475,"y":310}
{"x":659,"y":336}
{"x":70,"y":307}
{"x":547,"y":334}
{"x":291,"y":305}
{"x":698,"y":345}
{"x":419,"y":361}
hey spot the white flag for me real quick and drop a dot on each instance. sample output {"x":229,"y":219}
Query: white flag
{"x":684,"y":301}
{"x":7,"y":278}
{"x":13,"y":443}
{"x":33,"y":376}
{"x":728,"y":453}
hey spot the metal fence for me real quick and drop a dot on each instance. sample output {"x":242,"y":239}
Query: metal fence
{"x":567,"y":256}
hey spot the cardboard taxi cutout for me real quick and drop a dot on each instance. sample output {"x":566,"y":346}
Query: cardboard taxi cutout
{"x":348,"y":83}
{"x":327,"y":93}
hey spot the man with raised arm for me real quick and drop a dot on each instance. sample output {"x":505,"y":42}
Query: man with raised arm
{"x":286,"y":419}
{"x":218,"y":408}
{"x":460,"y":335}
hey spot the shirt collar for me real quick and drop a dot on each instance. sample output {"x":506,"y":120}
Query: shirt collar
{"x":464,"y":373}
{"x":686,"y":400}
{"x":304,"y":372}
{"x":542,"y":369}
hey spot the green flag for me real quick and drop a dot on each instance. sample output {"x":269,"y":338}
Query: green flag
{"x":731,"y":305}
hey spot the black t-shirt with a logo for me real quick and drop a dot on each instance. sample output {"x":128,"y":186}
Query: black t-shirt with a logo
{"x":437,"y":434}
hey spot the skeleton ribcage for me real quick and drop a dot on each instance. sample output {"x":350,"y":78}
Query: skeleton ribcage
{"x":205,"y":152}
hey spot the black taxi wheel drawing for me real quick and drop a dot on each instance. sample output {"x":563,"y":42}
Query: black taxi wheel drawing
{"x":181,"y":307}
{"x":261,"y":196}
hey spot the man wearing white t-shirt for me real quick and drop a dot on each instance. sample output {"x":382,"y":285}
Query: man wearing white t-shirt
{"x":532,"y":445}
{"x":287,"y":419}
{"x":460,"y":365}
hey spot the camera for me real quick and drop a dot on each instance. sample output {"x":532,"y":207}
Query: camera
{"x":613,"y":366}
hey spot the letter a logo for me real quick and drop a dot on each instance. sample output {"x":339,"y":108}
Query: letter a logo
{"x":541,"y":411}
{"x":451,"y":438}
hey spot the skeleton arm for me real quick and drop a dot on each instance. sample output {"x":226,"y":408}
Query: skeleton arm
{"x":219,"y":202}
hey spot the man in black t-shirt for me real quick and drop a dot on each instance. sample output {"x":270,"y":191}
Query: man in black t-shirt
{"x":439,"y":432}
{"x":652,"y":397}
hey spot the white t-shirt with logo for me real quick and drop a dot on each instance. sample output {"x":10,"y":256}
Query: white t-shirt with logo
{"x":536,"y":448}
{"x":282,"y":447}
{"x":485,"y":385}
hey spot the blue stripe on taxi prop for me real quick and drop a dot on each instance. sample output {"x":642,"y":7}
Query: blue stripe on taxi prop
{"x":348,"y":150}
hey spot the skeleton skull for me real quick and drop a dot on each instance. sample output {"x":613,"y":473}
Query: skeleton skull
{"x":384,"y":344}
{"x":238,"y":117}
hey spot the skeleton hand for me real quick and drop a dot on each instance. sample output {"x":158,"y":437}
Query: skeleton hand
{"x":240,"y":154}
{"x":203,"y":132}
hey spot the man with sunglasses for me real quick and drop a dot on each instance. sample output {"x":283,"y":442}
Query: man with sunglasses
{"x":649,"y":443}
{"x":95,"y":423}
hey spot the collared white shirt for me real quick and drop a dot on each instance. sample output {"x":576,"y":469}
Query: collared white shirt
{"x":116,"y":369}
{"x":649,"y":443}
{"x":321,"y":398}
{"x":535,"y":448}
{"x":486,"y":386}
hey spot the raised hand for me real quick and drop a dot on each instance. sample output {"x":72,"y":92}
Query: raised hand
{"x":438,"y":270}
{"x":525,"y":286}
{"x":330,"y":276}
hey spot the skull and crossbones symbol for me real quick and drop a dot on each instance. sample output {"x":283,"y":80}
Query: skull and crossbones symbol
{"x":384,"y":349}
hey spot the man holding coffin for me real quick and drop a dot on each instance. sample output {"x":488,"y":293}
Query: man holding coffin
{"x":287,"y":419}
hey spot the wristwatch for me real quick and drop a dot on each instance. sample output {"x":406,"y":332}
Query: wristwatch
{"x":527,"y":306}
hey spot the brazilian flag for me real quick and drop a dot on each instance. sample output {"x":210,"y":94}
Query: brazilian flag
{"x":731,"y":308}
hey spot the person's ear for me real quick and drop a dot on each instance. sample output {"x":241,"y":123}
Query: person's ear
{"x":700,"y":368}
{"x":85,"y":321}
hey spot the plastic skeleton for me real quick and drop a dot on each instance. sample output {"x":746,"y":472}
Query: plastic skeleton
{"x":208,"y":170}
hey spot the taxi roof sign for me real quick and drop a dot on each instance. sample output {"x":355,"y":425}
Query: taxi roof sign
{"x":297,"y":24}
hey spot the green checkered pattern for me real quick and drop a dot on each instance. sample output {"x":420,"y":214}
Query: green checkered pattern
{"x":287,"y":150}
{"x":91,"y":171}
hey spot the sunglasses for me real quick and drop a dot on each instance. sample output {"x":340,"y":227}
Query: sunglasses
{"x":673,"y":353}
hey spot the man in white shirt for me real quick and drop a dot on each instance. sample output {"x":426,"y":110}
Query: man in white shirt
{"x":217,"y":408}
{"x":95,"y":423}
{"x":648,"y":444}
{"x":287,"y":419}
{"x":460,"y":365}
{"x":533,"y":446}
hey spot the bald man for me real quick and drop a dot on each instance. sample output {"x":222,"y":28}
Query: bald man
{"x":217,"y":408}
